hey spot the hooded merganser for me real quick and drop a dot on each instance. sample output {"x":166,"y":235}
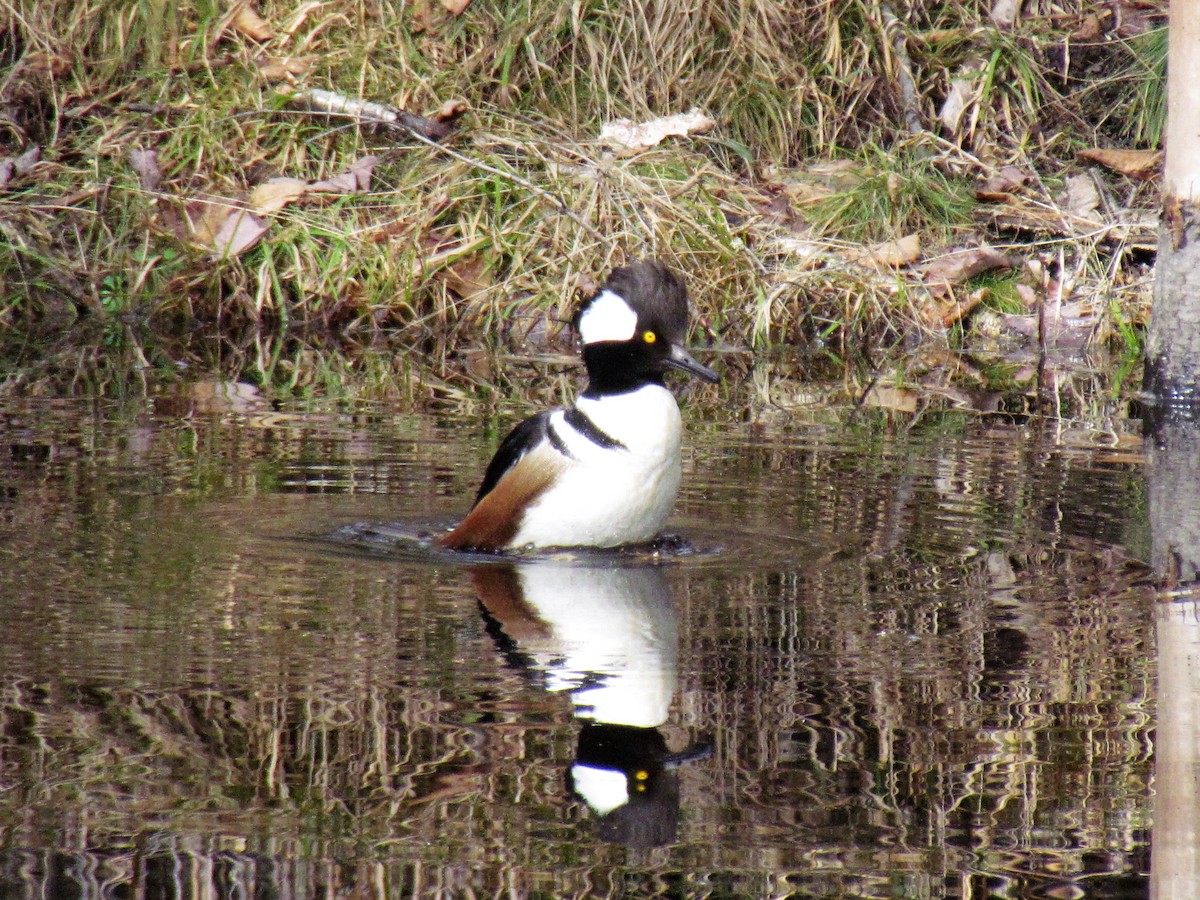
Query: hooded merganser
{"x":604,"y":472}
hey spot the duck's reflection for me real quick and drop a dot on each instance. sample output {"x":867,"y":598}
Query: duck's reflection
{"x":609,"y":637}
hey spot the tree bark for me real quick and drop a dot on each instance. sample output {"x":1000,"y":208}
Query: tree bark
{"x":1173,"y":348}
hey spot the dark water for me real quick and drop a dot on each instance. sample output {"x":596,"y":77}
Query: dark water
{"x":899,"y":663}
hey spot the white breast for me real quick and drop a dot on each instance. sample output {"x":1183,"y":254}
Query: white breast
{"x":611,"y":496}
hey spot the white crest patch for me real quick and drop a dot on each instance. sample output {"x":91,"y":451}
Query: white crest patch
{"x":607,"y":318}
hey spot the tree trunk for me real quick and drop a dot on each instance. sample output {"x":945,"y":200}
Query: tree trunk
{"x":1173,"y":348}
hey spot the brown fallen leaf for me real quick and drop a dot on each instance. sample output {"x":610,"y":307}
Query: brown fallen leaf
{"x":889,"y":254}
{"x":941,"y":310}
{"x":19,"y":165}
{"x":1088,"y":30}
{"x":627,"y":137}
{"x":1067,"y":332}
{"x":204,"y":217}
{"x":24,"y":163}
{"x":450,"y":111}
{"x":455,"y":7}
{"x":285,"y":68}
{"x":354,"y":180}
{"x":451,"y":260}
{"x":885,"y":396}
{"x":145,"y":164}
{"x":240,"y":231}
{"x":467,"y":276}
{"x":1132,"y":18}
{"x":41,"y":62}
{"x":955,"y":268}
{"x":250,"y":23}
{"x":1005,"y":12}
{"x":1002,"y":183}
{"x":1082,"y":197}
{"x":1145,"y":165}
{"x":276,"y":193}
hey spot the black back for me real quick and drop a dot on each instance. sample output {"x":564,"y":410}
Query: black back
{"x":511,"y":449}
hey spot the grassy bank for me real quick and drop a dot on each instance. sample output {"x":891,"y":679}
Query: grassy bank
{"x":137,"y":130}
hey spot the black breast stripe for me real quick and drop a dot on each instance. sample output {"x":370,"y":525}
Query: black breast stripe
{"x":557,"y":442}
{"x":591,"y":430}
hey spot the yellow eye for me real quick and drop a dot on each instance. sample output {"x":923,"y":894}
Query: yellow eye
{"x":649,"y":337}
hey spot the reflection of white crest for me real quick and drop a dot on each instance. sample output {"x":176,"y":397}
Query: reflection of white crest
{"x":603,"y":789}
{"x":607,"y":635}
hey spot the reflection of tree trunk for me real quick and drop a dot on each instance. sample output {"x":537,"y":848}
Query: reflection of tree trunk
{"x":1175,"y":862}
{"x":1174,"y":474}
{"x":1174,"y":494}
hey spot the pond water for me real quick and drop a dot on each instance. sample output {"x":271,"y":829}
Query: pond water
{"x":894,"y":662}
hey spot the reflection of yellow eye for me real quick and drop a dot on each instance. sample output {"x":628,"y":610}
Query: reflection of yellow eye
{"x":649,"y":337}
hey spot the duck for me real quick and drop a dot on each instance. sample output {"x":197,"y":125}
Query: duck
{"x":605,"y":471}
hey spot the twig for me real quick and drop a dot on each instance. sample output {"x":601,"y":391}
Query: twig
{"x":379,"y":113}
{"x":337,"y":104}
{"x":516,"y":179}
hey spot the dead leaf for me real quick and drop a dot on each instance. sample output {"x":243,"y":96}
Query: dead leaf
{"x":354,"y":180}
{"x":450,"y":111}
{"x":1135,"y":17}
{"x":1002,"y":183}
{"x":276,"y":193}
{"x":11,"y":166}
{"x":145,"y":164}
{"x":895,"y":186}
{"x":467,"y":276}
{"x":285,"y":68}
{"x":1068,"y":332}
{"x":24,"y":163}
{"x":250,"y":23}
{"x":1082,"y":197}
{"x":240,"y":231}
{"x":455,"y":7}
{"x":1006,"y":12}
{"x":626,"y":137}
{"x":960,"y":95}
{"x":205,"y":216}
{"x":804,"y":193}
{"x":889,"y":254}
{"x":955,"y":268}
{"x":884,"y":396}
{"x":41,"y":62}
{"x":942,"y":309}
{"x":1141,"y":164}
{"x":802,"y":254}
{"x":451,"y":260}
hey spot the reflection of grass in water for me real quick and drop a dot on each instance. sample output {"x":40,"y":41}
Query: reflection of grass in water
{"x":950,"y":663}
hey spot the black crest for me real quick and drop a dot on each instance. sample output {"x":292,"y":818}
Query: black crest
{"x":655,"y":293}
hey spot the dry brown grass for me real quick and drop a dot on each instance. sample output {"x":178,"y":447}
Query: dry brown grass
{"x":489,"y":240}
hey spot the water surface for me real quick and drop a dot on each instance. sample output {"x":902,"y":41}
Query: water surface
{"x":899,"y":662}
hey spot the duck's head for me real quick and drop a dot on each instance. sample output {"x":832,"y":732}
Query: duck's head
{"x":633,"y":330}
